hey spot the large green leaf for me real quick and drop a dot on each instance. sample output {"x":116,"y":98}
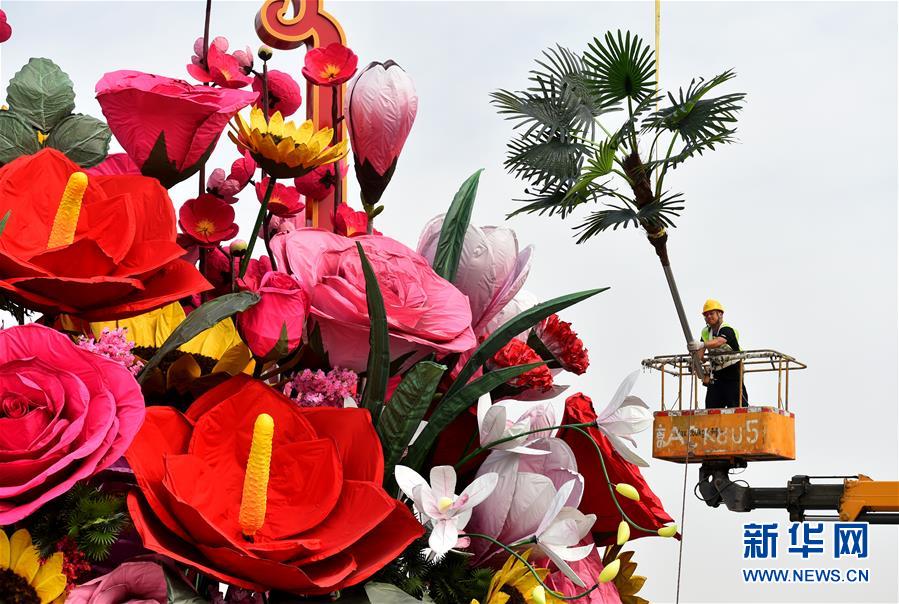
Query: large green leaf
{"x":621,"y":67}
{"x":407,"y":407}
{"x":204,"y":317}
{"x":84,"y":139}
{"x":455,"y":225}
{"x":378,"y":372}
{"x":16,"y":138}
{"x":41,"y":93}
{"x":452,"y":406}
{"x":512,"y":328}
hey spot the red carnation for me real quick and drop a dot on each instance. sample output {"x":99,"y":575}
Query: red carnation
{"x":563,"y":343}
{"x":330,"y":66}
{"x":208,"y":219}
{"x":517,"y":352}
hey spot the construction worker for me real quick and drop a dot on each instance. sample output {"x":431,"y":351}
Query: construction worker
{"x":724,"y":384}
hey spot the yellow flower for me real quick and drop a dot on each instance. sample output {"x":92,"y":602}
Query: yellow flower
{"x":283,"y":149}
{"x":514,"y":583}
{"x":22,"y":576}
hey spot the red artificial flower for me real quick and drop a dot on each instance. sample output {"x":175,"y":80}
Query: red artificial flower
{"x":208,"y":219}
{"x":319,"y":183}
{"x":273,"y":327}
{"x":168,"y":127}
{"x":328,"y":523}
{"x":330,"y":66}
{"x":122,"y":259}
{"x":226,"y":187}
{"x":5,"y":29}
{"x":114,"y":164}
{"x":517,"y":352}
{"x":563,"y":343}
{"x":220,"y":68}
{"x":283,"y":93}
{"x":597,"y":499}
{"x":284,"y":202}
{"x":350,"y":223}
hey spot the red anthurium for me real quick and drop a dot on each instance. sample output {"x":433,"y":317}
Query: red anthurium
{"x":330,"y":66}
{"x":648,"y":512}
{"x":113,"y":257}
{"x":284,"y":202}
{"x":207,"y":219}
{"x":327,"y":523}
{"x":283,"y":93}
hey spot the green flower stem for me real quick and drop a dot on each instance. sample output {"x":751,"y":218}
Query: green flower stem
{"x":266,"y":238}
{"x":263,"y":208}
{"x":338,"y":181}
{"x":531,"y":569}
{"x":489,"y":445}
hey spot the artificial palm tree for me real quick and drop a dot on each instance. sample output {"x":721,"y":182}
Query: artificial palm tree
{"x":569,"y":158}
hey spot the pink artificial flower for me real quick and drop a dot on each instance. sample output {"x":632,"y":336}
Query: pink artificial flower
{"x":380,"y":108}
{"x":491,"y":270}
{"x":168,"y":127}
{"x":330,"y":66}
{"x":207,"y":219}
{"x":114,"y":345}
{"x":5,"y":29}
{"x":273,"y":327}
{"x":128,"y":583}
{"x":285,"y":225}
{"x":220,"y":68}
{"x":227,"y":187}
{"x":114,"y":164}
{"x":284,"y":201}
{"x":65,"y":414}
{"x":336,"y":388}
{"x":587,"y":569}
{"x":319,"y":183}
{"x":424,"y":312}
{"x":564,"y":344}
{"x":350,"y":223}
{"x":283,"y":93}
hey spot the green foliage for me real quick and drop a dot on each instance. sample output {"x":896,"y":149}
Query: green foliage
{"x":554,"y":147}
{"x":378,"y":372}
{"x":455,"y":225}
{"x":41,"y":100}
{"x":449,"y":580}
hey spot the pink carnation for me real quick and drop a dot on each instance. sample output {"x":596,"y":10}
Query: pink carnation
{"x":113,"y":345}
{"x":319,"y":389}
{"x":564,"y":344}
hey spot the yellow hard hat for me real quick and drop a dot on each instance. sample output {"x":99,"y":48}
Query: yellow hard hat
{"x":711,"y":304}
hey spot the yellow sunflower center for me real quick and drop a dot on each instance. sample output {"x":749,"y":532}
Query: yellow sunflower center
{"x":14,"y":588}
{"x":205,"y":227}
{"x":330,"y":71}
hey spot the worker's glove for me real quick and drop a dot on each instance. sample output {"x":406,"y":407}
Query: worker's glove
{"x":695,"y":346}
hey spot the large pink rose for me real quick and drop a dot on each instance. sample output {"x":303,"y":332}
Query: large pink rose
{"x":424,"y":312}
{"x":65,"y":414}
{"x":168,"y":127}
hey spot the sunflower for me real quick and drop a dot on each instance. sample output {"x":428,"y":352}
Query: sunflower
{"x":627,"y":582}
{"x":283,"y":149}
{"x":23,"y":579}
{"x":515,"y":584}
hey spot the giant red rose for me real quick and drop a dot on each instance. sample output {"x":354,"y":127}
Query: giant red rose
{"x":121,"y":258}
{"x":648,"y":512}
{"x":328,"y":524}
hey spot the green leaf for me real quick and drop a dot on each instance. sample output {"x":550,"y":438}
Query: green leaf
{"x":179,"y":592}
{"x":378,"y":372}
{"x":622,"y":67}
{"x":408,"y":405}
{"x":84,"y":139}
{"x":512,"y":328}
{"x":41,"y":93}
{"x":4,"y":220}
{"x":455,"y":225}
{"x":451,"y":406}
{"x":204,"y":317}
{"x":16,"y":138}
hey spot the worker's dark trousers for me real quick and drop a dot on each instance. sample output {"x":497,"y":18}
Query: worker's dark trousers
{"x":724,"y":393}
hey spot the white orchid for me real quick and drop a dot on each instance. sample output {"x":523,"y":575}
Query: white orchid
{"x":438,"y":504}
{"x":561,"y":529}
{"x":509,"y":418}
{"x":623,"y":417}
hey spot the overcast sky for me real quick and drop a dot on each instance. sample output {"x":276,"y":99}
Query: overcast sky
{"x":793,"y":229}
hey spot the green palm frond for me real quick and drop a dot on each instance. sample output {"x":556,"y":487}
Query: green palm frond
{"x":545,"y":160}
{"x":697,"y":119}
{"x":658,"y":213}
{"x":621,"y":68}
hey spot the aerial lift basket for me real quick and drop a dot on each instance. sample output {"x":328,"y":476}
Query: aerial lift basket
{"x":754,"y":432}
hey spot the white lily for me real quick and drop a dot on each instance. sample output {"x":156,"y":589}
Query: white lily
{"x":508,"y":418}
{"x":623,"y":417}
{"x":447,"y":512}
{"x":561,"y":529}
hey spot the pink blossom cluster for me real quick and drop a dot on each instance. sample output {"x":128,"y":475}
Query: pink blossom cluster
{"x":113,"y":345}
{"x":319,"y":389}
